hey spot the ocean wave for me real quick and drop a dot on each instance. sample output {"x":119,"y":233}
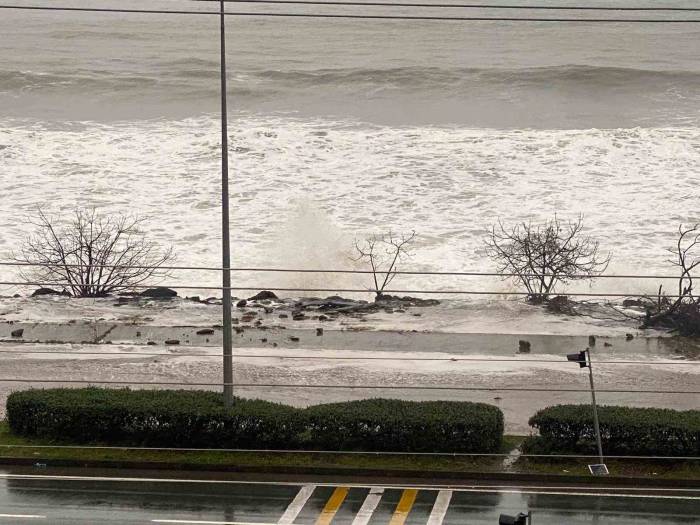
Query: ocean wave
{"x":194,"y":70}
{"x":448,"y":183}
{"x":436,"y":77}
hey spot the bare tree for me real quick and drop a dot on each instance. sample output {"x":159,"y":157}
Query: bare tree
{"x":384,"y":253}
{"x":91,"y":255}
{"x":684,"y":311}
{"x":543,"y":256}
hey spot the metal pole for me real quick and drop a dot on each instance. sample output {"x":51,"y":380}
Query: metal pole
{"x":225,"y":235}
{"x":595,"y":408}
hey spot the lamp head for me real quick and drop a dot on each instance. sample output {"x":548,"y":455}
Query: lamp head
{"x":579,"y":357}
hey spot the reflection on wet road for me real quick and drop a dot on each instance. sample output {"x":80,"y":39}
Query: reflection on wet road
{"x":74,"y":499}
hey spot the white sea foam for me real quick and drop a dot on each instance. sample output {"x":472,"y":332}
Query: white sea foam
{"x":303,"y":189}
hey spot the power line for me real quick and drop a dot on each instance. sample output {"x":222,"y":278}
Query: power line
{"x":460,"y":6}
{"x":336,"y":271}
{"x":341,"y":452}
{"x":359,"y":17}
{"x":330,"y":358}
{"x":350,"y":387}
{"x":337,"y":290}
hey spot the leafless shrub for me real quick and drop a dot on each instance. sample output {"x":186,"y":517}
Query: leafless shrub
{"x":91,"y":255}
{"x":683,"y":312}
{"x":543,"y":256}
{"x":384,"y":253}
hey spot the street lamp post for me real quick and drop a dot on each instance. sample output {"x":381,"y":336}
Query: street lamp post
{"x":584,"y":360}
{"x":225,"y":234}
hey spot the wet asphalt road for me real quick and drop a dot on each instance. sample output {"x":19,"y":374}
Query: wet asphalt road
{"x":44,"y":498}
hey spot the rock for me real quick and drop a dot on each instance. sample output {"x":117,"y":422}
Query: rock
{"x":524,"y":347}
{"x":629,"y":337}
{"x":138,"y":334}
{"x":606,"y":344}
{"x":319,"y":331}
{"x":194,"y":298}
{"x":172,"y":342}
{"x":247,"y":318}
{"x":406,"y":300}
{"x":560,"y":305}
{"x":269,"y":310}
{"x":298,"y":316}
{"x":283,"y":316}
{"x":238,"y":329}
{"x":632,"y":302}
{"x":49,"y":291}
{"x":16,"y":296}
{"x":263,"y":340}
{"x":151,"y":343}
{"x":264,"y":295}
{"x":323,"y":317}
{"x":241,"y":304}
{"x":159,"y":293}
{"x":205,"y":331}
{"x":17,"y":333}
{"x":294,"y":338}
{"x":591,"y":340}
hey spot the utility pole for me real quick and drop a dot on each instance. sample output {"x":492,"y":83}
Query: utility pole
{"x":225,"y":234}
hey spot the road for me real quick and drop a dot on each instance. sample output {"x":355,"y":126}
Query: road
{"x":42,"y":497}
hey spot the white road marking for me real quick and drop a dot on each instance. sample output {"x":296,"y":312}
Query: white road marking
{"x":296,"y":505}
{"x":507,"y":489}
{"x":368,"y":506}
{"x":23,"y":516}
{"x":437,"y":515}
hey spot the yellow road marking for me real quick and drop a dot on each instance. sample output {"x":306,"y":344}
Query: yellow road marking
{"x":332,"y":505}
{"x":404,"y":507}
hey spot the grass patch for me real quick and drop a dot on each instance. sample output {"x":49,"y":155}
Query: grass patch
{"x":404,"y":462}
{"x":215,"y":458}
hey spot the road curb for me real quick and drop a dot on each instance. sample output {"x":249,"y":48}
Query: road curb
{"x":339,"y":474}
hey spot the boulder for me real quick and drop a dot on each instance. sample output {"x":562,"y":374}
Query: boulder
{"x":264,"y":295}
{"x":159,"y":293}
{"x":17,"y":333}
{"x":524,"y":347}
{"x":242,"y":303}
{"x":49,"y":291}
{"x":205,"y":331}
{"x":560,"y":305}
{"x":172,"y":342}
{"x":627,"y":303}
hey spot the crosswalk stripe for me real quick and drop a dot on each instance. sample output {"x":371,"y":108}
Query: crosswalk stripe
{"x":296,"y":505}
{"x":332,"y":506}
{"x":442,"y":502}
{"x":368,"y":506}
{"x":404,"y":507}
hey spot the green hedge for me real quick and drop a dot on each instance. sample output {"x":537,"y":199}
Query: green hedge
{"x":624,"y":431}
{"x":166,"y":418}
{"x":415,"y":426}
{"x":181,"y":418}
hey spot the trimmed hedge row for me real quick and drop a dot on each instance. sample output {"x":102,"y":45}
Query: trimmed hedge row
{"x":418,"y":426}
{"x":167,"y":418}
{"x":624,"y":431}
{"x":198,"y":419}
